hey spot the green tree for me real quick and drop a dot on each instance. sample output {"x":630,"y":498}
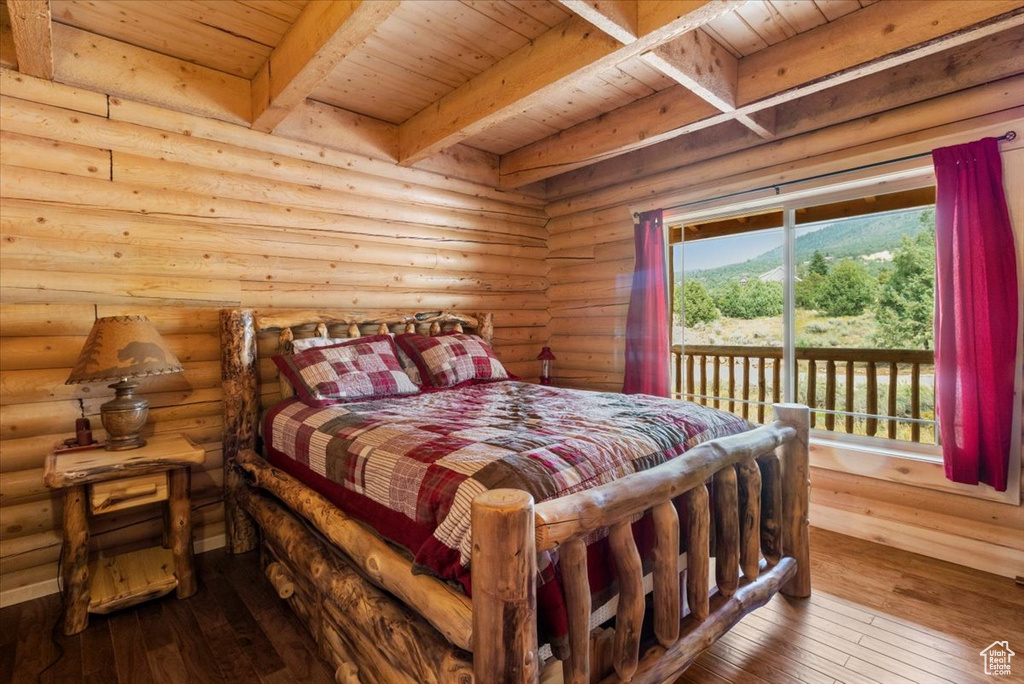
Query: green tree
{"x":818,"y":264}
{"x":906,"y":304}
{"x":847,"y":291}
{"x":807,"y":288}
{"x":755,"y":299}
{"x":700,"y":307}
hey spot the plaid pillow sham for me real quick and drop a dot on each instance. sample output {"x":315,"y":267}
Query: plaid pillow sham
{"x":450,"y":359}
{"x":304,"y":343}
{"x":360,"y":368}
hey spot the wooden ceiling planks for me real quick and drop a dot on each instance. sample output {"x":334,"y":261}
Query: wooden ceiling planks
{"x":225,"y":36}
{"x":424,"y":51}
{"x":528,"y":19}
{"x":757,"y":25}
{"x":591,"y":98}
{"x":833,"y":9}
{"x":285,"y":10}
{"x":800,"y":14}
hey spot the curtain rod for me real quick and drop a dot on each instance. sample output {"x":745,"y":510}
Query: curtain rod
{"x":1009,"y":135}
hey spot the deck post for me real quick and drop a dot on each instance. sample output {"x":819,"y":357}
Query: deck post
{"x":241,"y":413}
{"x":504,"y":565}
{"x":796,"y":485}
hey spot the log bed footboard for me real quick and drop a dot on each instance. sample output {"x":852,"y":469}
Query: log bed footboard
{"x":744,"y":470}
{"x":759,"y":524}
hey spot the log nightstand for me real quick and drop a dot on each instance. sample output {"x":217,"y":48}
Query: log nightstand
{"x":97,"y":481}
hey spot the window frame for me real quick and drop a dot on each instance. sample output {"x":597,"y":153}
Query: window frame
{"x":876,"y":457}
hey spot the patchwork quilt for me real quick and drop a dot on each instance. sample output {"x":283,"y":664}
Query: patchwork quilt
{"x":411,"y":466}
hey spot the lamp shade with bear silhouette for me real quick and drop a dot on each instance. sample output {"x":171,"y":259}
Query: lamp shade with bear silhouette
{"x":123,"y":348}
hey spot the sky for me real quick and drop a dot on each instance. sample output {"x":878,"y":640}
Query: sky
{"x":734,"y":249}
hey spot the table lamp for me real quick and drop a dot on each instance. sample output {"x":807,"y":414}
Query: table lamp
{"x":123,"y":348}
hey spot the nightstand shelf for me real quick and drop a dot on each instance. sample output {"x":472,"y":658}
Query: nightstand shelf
{"x":99,"y":482}
{"x":130,"y":578}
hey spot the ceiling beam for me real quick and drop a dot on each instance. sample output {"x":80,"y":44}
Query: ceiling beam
{"x":887,"y":35}
{"x":617,"y":18}
{"x":339,"y":129}
{"x":994,"y":60}
{"x":559,"y":59}
{"x":324,"y":34}
{"x":33,"y":36}
{"x":694,"y":60}
{"x":863,"y":42}
{"x":94,"y":62}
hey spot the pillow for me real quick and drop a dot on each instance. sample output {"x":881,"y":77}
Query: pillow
{"x":359,"y":368}
{"x":449,"y":359}
{"x":301,"y":345}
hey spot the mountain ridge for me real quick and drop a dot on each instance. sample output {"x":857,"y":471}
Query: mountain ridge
{"x":844,"y":239}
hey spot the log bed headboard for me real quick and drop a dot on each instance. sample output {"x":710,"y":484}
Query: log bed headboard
{"x":249,"y":335}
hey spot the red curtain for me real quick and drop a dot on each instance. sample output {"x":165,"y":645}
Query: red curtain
{"x":647,"y":323}
{"x":976,"y":311}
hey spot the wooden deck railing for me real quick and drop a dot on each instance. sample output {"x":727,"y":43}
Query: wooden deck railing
{"x":745,"y":379}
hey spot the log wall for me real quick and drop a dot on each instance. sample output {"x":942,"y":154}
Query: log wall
{"x":591,"y":257}
{"x":111,"y":206}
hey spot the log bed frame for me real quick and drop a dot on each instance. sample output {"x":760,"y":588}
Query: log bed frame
{"x":379,"y":623}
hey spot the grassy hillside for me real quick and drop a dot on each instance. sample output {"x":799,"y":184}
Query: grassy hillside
{"x":849,"y":238}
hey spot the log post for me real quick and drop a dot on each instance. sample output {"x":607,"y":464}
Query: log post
{"x":486,"y":329}
{"x":746,"y":388}
{"x":75,"y":561}
{"x":727,"y":531}
{"x":850,"y":380}
{"x":796,"y":485}
{"x":666,"y":573}
{"x":504,"y":588}
{"x":240,"y":389}
{"x":180,"y":533}
{"x":573,"y":561}
{"x":830,"y":394}
{"x":762,"y":381}
{"x":698,"y":553}
{"x":704,"y":379}
{"x":872,"y":423}
{"x":750,"y":518}
{"x":891,"y":424}
{"x":771,"y":508}
{"x":812,"y":381}
{"x":689,"y":378}
{"x":717,"y":380}
{"x":629,"y":616}
{"x":915,"y":402}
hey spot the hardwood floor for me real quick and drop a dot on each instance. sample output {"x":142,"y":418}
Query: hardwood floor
{"x":877,"y":616}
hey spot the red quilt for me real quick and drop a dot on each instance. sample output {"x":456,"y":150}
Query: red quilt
{"x":411,"y":466}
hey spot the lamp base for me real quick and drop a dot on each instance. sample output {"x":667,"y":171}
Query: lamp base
{"x":124,"y":417}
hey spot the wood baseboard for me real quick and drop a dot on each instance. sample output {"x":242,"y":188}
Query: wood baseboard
{"x":973,"y":553}
{"x":14,"y":595}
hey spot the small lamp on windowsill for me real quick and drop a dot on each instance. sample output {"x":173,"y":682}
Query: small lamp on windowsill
{"x":123,"y":348}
